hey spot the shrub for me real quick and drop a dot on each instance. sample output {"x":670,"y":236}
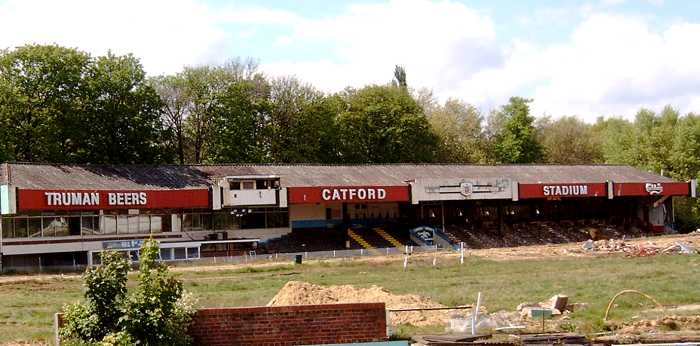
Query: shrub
{"x":158,"y":312}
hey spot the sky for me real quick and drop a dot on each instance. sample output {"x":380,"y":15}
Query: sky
{"x":582,"y":58}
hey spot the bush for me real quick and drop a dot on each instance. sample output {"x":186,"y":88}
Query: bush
{"x":158,"y":312}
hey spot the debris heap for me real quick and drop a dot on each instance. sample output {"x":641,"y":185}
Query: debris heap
{"x":303,"y":293}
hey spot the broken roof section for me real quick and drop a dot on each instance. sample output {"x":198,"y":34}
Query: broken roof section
{"x":127,"y":177}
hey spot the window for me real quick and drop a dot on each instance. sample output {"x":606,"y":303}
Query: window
{"x":261,"y":184}
{"x":7,"y":228}
{"x":34,"y":227}
{"x":234,"y":185}
{"x":166,"y":254}
{"x":122,"y":224}
{"x":20,"y":229}
{"x":90,"y":225}
{"x":180,"y":253}
{"x":156,"y":224}
{"x":108,"y":224}
{"x":192,"y":252}
{"x":248,"y":185}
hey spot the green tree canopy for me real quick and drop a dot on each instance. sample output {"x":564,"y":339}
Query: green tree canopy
{"x":569,"y":140}
{"x":385,"y":124}
{"x":516,"y":140}
{"x":458,"y":127}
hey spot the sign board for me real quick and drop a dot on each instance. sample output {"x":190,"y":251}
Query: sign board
{"x":28,"y":199}
{"x":461,"y":189}
{"x":651,"y":189}
{"x":122,"y":244}
{"x":565,"y":190}
{"x":352,"y":194}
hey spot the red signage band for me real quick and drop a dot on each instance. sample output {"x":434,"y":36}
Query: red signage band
{"x":651,"y":189}
{"x":29,"y":199}
{"x":561,"y":190}
{"x":357,"y":194}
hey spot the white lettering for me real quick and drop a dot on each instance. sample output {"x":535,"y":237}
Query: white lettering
{"x":381,"y":194}
{"x":142,"y":198}
{"x":371,"y":194}
{"x":76,"y":198}
{"x":326,"y":194}
{"x":336,"y":195}
{"x":564,"y":190}
{"x":353,"y":194}
{"x":362,"y":194}
{"x":111,"y":198}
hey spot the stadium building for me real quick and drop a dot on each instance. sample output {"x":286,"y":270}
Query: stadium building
{"x":63,"y":215}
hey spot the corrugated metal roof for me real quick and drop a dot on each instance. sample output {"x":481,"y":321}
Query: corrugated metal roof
{"x":105,"y":177}
{"x":55,"y":176}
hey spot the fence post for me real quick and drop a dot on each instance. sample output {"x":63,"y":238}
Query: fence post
{"x":362,"y":252}
{"x":333,"y":253}
{"x":405,"y":262}
{"x":461,"y":252}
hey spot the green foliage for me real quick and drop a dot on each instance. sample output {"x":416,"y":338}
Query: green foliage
{"x":516,"y":141}
{"x":41,"y":90}
{"x":151,"y":314}
{"x":157,"y":313}
{"x":238,"y":123}
{"x":384,"y":124}
{"x":105,"y":289}
{"x":62,"y":105}
{"x":458,"y":127}
{"x":568,"y":140}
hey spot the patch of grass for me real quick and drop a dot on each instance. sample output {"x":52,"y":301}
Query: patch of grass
{"x":26,"y":309}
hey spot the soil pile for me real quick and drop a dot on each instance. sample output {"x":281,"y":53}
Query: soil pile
{"x":303,"y":293}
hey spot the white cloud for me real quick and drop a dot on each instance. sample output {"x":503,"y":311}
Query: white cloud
{"x":164,"y":34}
{"x":611,"y":65}
{"x":608,"y":65}
{"x":439,"y":43}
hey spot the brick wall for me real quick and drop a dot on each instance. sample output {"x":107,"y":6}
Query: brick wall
{"x":290,"y":325}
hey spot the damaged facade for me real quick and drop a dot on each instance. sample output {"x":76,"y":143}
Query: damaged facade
{"x":64,"y":215}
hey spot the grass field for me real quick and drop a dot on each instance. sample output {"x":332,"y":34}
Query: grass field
{"x":26,"y":308}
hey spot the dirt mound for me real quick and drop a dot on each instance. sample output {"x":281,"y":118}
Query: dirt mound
{"x":664,"y":324}
{"x":303,"y":293}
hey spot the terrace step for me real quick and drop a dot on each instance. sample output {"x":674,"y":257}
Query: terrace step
{"x":388,"y":237}
{"x":358,"y":238}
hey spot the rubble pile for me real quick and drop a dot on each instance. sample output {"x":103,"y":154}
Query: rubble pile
{"x":666,"y":323}
{"x":641,"y":250}
{"x":537,"y":232}
{"x":304,"y":293}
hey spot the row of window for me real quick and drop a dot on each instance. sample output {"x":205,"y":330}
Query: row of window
{"x":76,"y":225}
{"x":241,"y":219}
{"x":169,"y":254}
{"x":62,"y":226}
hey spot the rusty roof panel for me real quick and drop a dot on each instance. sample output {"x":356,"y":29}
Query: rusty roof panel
{"x":54,"y":176}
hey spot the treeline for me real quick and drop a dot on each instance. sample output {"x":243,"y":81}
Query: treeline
{"x":63,"y":105}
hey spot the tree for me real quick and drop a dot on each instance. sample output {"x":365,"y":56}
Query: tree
{"x":158,"y":312}
{"x":239,"y":123}
{"x":302,"y":126}
{"x":384,"y":124}
{"x":41,"y":96}
{"x":516,"y":141}
{"x":61,"y":105}
{"x":105,"y":291}
{"x":458,"y":127}
{"x":204,"y":87}
{"x":122,"y":111}
{"x":400,"y":77}
{"x":568,"y":140}
{"x":171,"y":90}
